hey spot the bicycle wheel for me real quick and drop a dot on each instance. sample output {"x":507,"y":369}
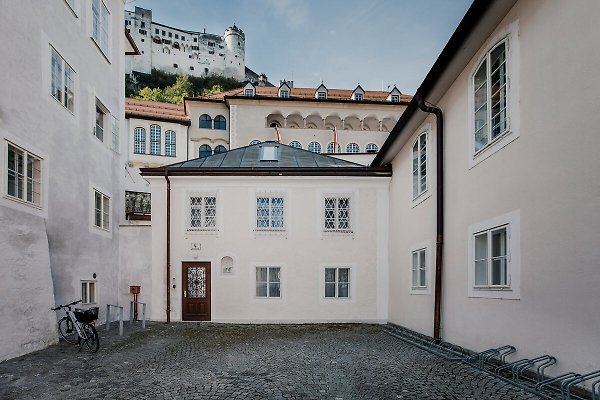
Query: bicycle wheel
{"x":92,"y":341}
{"x":67,"y":330}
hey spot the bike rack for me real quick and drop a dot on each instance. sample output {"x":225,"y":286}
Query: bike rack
{"x":131,"y":303}
{"x":108,"y":306}
{"x":527,"y":374}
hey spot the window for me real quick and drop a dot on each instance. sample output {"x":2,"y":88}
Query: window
{"x":494,"y":253}
{"x":284,"y":94}
{"x":358,"y":96}
{"x":142,"y":24}
{"x":295,"y":144}
{"x":372,"y":148}
{"x":489,"y":97}
{"x":24,"y":175}
{"x":337,"y":214}
{"x":170,"y":143}
{"x":268,"y":282}
{"x":205,"y":121}
{"x":220,"y":149}
{"x":143,"y":32}
{"x":220,"y":122}
{"x":100,"y":27}
{"x":248,"y":92}
{"x":88,"y":292}
{"x":156,"y":31}
{"x":395,"y":98}
{"x":314,"y":147}
{"x":205,"y":151}
{"x":338,"y":148}
{"x":115,"y":134}
{"x":337,"y":282}
{"x":62,"y":81}
{"x":255,"y":141}
{"x":352,"y":148}
{"x":155,"y":134}
{"x":419,"y":165}
{"x":269,"y":213}
{"x":176,"y":36}
{"x":163,"y":33}
{"x":170,"y":34}
{"x":203,"y":212}
{"x":321,"y":95}
{"x":419,"y":269}
{"x":491,"y":258}
{"x":99,"y":128}
{"x":101,"y":210}
{"x":139,"y":141}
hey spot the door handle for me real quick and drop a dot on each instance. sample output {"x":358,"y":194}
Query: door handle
{"x":185,"y":293}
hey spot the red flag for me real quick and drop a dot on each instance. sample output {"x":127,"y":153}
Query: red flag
{"x":335,"y":139}
{"x":278,"y":135}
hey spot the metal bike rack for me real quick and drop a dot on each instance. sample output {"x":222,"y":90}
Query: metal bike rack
{"x":527,"y":374}
{"x":108,"y":306}
{"x":131,"y":303}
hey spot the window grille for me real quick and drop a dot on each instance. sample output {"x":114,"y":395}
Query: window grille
{"x":337,"y":214}
{"x":203,"y":213}
{"x":270,"y":213}
{"x":170,"y":143}
{"x":155,"y":134}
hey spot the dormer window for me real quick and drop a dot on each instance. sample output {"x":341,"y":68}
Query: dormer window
{"x":358,"y":94}
{"x":394,"y":95}
{"x":321,"y":95}
{"x":395,"y":98}
{"x":284,"y":94}
{"x":268,"y":153}
{"x":248,"y":92}
{"x":358,"y":97}
{"x":321,"y":92}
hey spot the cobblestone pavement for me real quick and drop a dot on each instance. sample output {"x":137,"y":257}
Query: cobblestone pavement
{"x":213,"y":361}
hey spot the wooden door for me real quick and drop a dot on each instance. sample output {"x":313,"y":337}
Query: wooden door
{"x":196,"y":291}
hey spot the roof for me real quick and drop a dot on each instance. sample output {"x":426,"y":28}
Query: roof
{"x":246,"y":161}
{"x":154,"y":110}
{"x":476,"y":26}
{"x":309,"y":94}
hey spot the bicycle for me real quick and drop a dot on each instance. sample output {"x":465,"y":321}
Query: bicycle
{"x":78,"y":325}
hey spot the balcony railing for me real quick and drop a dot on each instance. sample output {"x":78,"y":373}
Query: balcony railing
{"x":137,"y":206}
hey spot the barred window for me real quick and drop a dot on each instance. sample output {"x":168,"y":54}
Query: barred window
{"x":203,"y":213}
{"x":139,"y":141}
{"x":330,"y":148}
{"x":295,"y":144}
{"x":270,"y":213}
{"x":170,"y":143}
{"x":352,"y":148}
{"x":337,"y":214}
{"x":155,"y":134}
{"x":314,"y":147}
{"x":372,"y":148}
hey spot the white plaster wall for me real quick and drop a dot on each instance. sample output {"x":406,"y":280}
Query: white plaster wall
{"x":156,"y":160}
{"x":302,"y":252}
{"x":74,"y":161}
{"x":548,"y":174}
{"x":135,"y":260}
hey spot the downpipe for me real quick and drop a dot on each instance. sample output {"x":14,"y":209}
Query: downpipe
{"x":168,"y":245}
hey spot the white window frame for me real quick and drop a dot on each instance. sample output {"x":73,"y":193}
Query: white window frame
{"x":395,"y":98}
{"x":358,"y":96}
{"x":62,"y":81}
{"x":269,"y":281}
{"x":270,"y":195}
{"x":352,"y":148}
{"x":371,"y":146}
{"x":103,"y":212}
{"x":316,"y":143}
{"x":248,"y":92}
{"x":295,"y":144}
{"x":115,"y":134}
{"x":155,"y":142}
{"x":322,"y":95}
{"x":137,"y":144}
{"x":86,"y":293}
{"x":170,"y":144}
{"x":71,"y":4}
{"x":509,"y":35}
{"x":27,"y":179}
{"x":204,"y":227}
{"x":101,"y":26}
{"x":336,"y":282}
{"x":513,"y":257}
{"x":284,"y":94}
{"x":352,"y":208}
{"x":418,"y":191}
{"x":426,"y":248}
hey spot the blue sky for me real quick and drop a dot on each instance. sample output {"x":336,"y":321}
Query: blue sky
{"x":341,"y":42}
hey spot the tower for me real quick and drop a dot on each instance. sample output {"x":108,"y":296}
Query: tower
{"x":235,"y":59}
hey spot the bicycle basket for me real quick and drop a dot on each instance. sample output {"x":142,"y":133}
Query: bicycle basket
{"x":86,"y":316}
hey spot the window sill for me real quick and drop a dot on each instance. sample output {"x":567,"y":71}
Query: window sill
{"x":62,"y":105}
{"x":420,"y":290}
{"x":491,"y":148}
{"x":24,"y":202}
{"x":100,"y":49}
{"x":200,"y":231}
{"x":270,"y":232}
{"x":421,"y":198}
{"x":341,"y":233}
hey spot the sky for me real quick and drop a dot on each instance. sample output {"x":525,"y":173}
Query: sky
{"x":377,"y":43}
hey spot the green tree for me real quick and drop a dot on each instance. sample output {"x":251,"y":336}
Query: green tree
{"x":180,"y":89}
{"x":155,"y":94}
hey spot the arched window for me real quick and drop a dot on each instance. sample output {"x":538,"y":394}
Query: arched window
{"x":295,"y":144}
{"x":275,"y":124}
{"x":205,"y":151}
{"x":155,"y":140}
{"x":176,"y":45}
{"x":220,"y":122}
{"x":314,"y":147}
{"x":139,"y":141}
{"x":352,"y":148}
{"x":330,"y":148}
{"x":252,"y":143}
{"x":205,"y":121}
{"x":372,"y":148}
{"x":220,"y":149}
{"x":170,"y":143}
{"x":419,"y":165}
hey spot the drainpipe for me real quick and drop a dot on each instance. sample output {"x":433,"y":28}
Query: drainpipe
{"x":439,"y":240}
{"x":168,"y":245}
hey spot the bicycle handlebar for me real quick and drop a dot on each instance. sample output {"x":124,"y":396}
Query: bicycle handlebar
{"x":66,"y":305}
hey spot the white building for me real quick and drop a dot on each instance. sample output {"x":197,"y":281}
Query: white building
{"x":181,"y":51}
{"x":517,"y":87}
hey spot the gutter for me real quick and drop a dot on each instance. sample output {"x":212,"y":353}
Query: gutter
{"x":385,"y":171}
{"x":439,"y":238}
{"x":168,"y":245}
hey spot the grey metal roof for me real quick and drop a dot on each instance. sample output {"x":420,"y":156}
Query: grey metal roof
{"x":249,"y":157}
